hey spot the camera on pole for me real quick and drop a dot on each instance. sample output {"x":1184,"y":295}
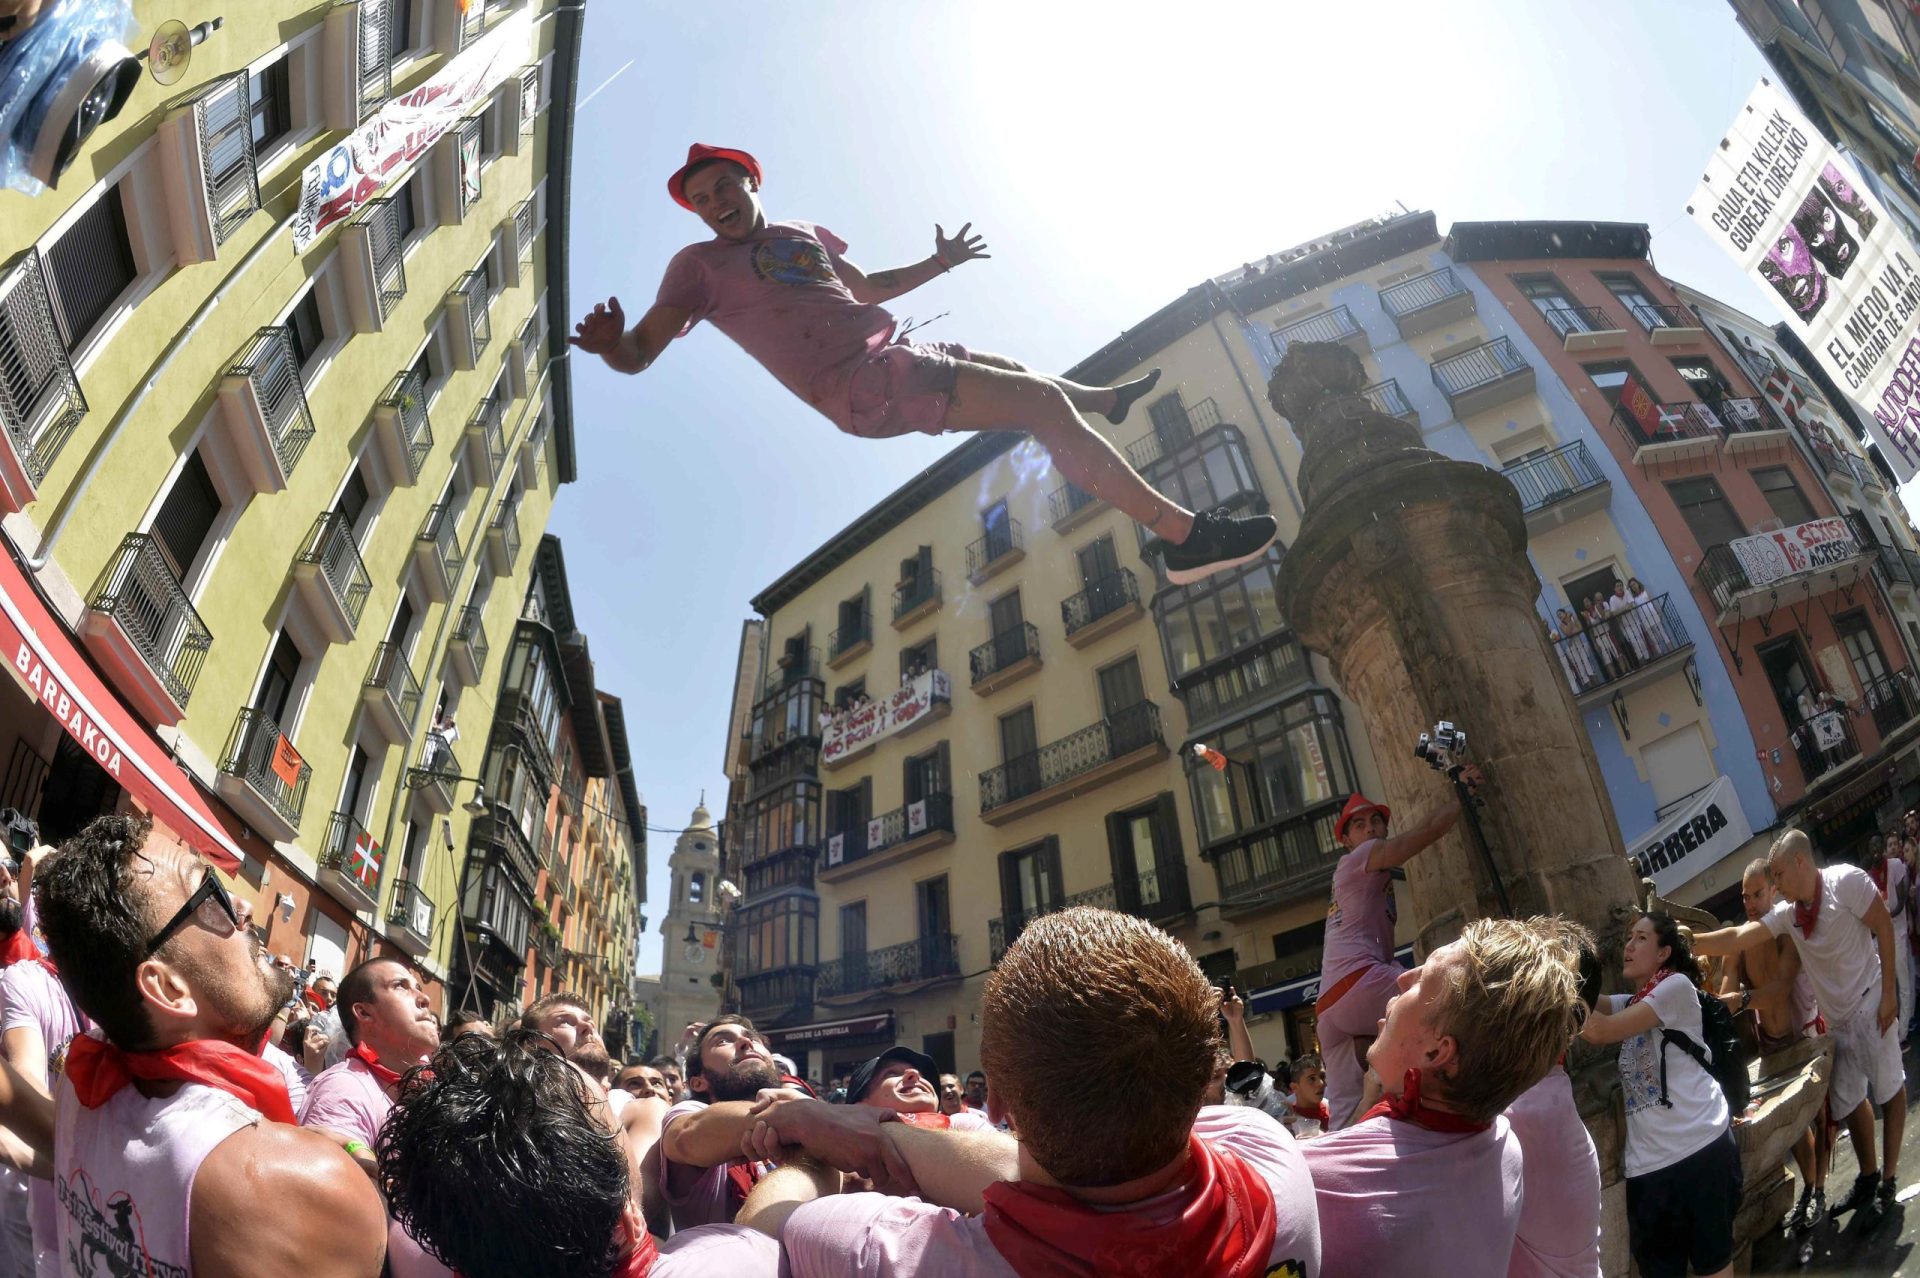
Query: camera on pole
{"x":1444,"y":750}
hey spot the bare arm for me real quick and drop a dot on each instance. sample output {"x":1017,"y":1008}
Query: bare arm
{"x":1881,"y":922}
{"x":884,"y":286}
{"x":1234,"y":1011}
{"x":784,"y":1190}
{"x":949,"y":1168}
{"x":26,"y":1051}
{"x":955,"y":1169}
{"x":273,"y":1199}
{"x":1731,"y":940}
{"x":1602,"y":1028}
{"x":711,"y":1136}
{"x":1394,"y":852}
{"x":604,"y":333}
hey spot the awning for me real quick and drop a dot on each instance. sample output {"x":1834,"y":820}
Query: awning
{"x":1278,"y":998}
{"x":43,"y":660}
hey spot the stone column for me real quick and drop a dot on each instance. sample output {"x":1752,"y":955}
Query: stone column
{"x":1410,"y":576}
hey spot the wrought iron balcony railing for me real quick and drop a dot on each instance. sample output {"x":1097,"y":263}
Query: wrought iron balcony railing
{"x":1007,"y":648}
{"x":412,"y":909}
{"x":930,"y":958}
{"x":1676,"y":422}
{"x":376,"y":61}
{"x":1484,"y":365}
{"x":390,"y":674}
{"x":1058,"y":762}
{"x":1287,"y":858}
{"x":259,"y":754}
{"x":467,"y":135}
{"x":1420,"y":292}
{"x":271,"y":365}
{"x":851,"y":635}
{"x":1892,"y":699}
{"x":40,"y":399}
{"x":223,"y":125}
{"x":999,"y":542}
{"x":474,"y":291}
{"x":1653,"y":317}
{"x":1332,"y":325}
{"x":441,"y":528}
{"x":385,"y":241}
{"x":1570,"y":321}
{"x":407,"y":396}
{"x":923,"y":589}
{"x":1066,"y":501}
{"x":1174,"y":427}
{"x":1554,"y":476}
{"x":506,"y":528}
{"x":331,"y":548}
{"x":1387,"y":397}
{"x":1601,"y":653}
{"x":935,"y":815}
{"x":1151,"y":894}
{"x":138,"y":590}
{"x":470,"y":628}
{"x":523,"y":230}
{"x":1822,"y":741}
{"x":1102,"y":597}
{"x":352,"y":853}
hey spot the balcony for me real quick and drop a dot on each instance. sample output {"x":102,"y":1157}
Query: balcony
{"x":391,"y":694}
{"x":1068,"y":507}
{"x":486,"y":439}
{"x":1427,"y":301}
{"x":1387,"y":397}
{"x":923,"y":962}
{"x":1724,"y":580}
{"x":373,"y":257}
{"x":410,"y":919}
{"x":1280,"y":862}
{"x":264,"y":408}
{"x":467,"y":649}
{"x":358,"y":73}
{"x":467,"y":320}
{"x":436,"y":552}
{"x":546,"y":945}
{"x":263,"y":778}
{"x":331,"y":578}
{"x":459,"y":27}
{"x":436,"y":775}
{"x":350,"y":864}
{"x":144,"y":631}
{"x":522,"y":228}
{"x":523,"y":366}
{"x":1124,"y":742}
{"x":904,"y":832}
{"x":211,"y":183}
{"x":777,"y":994}
{"x":1667,"y":325}
{"x":852,"y":731}
{"x":1893,"y":700}
{"x":1008,"y":657}
{"x":1635,"y":647}
{"x":850,"y":641}
{"x":1107,"y":604}
{"x":1156,"y":895}
{"x":1676,"y":432}
{"x":503,"y":539}
{"x":1335,"y":324}
{"x":1488,"y":375}
{"x":1560,"y":486}
{"x":1823,"y":743}
{"x":1175,"y":425}
{"x":1585,"y":328}
{"x":1237,"y":683}
{"x":793,"y":867}
{"x":499,"y":829}
{"x":1752,"y":426}
{"x":916,"y":598}
{"x":40,"y":399}
{"x":1001,"y":548}
{"x":457,"y":165}
{"x":405,"y":433}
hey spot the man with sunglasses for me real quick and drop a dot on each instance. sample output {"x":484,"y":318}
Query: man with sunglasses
{"x":175,"y":1149}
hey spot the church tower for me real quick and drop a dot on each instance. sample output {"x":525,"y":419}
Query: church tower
{"x":690,"y":932}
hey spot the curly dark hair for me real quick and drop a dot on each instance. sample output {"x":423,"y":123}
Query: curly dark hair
{"x":94,"y":908}
{"x":497,"y":1164}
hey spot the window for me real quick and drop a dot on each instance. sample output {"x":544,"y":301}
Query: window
{"x":1220,"y":616}
{"x":1098,"y":562}
{"x":1552,"y":300}
{"x":1017,"y":739}
{"x":306,"y":329}
{"x":1171,"y":425}
{"x":1863,"y":650}
{"x":275,"y":693}
{"x":1789,"y":504}
{"x":1144,"y":846}
{"x":186,"y":517}
{"x":91,"y":265}
{"x":1120,"y":687}
{"x":270,"y":104}
{"x":853,"y":619}
{"x":1004,"y":615}
{"x":1215,"y":472}
{"x":353,"y":500}
{"x":780,"y":933}
{"x":406,"y":216}
{"x":400,"y":633}
{"x":849,"y":810}
{"x":786,"y":817}
{"x":853,"y":930}
{"x":919,"y":659}
{"x":1610,"y":379}
{"x":354,"y":793}
{"x":927,"y":774}
{"x":999,"y":532}
{"x":399,"y":28}
{"x":1708,"y":384}
{"x":1279,"y":764}
{"x":848,"y":693}
{"x":1707,"y":512}
{"x":697,"y":888}
{"x":1030,"y":882}
{"x":1632,"y":295}
{"x":490,"y":131}
{"x":936,"y":912}
{"x":918,"y":569}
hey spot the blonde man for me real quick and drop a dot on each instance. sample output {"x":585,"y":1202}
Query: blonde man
{"x":1844,"y":935}
{"x":1428,"y":1182}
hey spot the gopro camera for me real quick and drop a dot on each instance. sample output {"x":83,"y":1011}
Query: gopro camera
{"x":1442,"y":748}
{"x":22,"y":832}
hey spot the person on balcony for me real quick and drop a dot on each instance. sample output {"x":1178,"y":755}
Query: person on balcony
{"x":1600,"y":628}
{"x":1358,"y":974}
{"x":1576,"y":654}
{"x":1659,"y":638}
{"x":1627,"y":618}
{"x":787,"y":294}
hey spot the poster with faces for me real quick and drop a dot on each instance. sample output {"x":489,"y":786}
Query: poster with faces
{"x":1797,"y":217}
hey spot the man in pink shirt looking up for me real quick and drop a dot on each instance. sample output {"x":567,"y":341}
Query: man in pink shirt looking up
{"x":1427,"y":1184}
{"x":787,"y":294}
{"x":1085,"y":1005}
{"x":1357,"y":971}
{"x":699,"y":1172}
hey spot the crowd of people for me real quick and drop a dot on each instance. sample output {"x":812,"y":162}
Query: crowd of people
{"x":176,"y":1102}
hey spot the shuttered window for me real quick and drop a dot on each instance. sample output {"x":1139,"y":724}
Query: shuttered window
{"x":91,"y":265}
{"x":186,"y":516}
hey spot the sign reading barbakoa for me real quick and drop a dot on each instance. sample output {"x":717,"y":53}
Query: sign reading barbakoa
{"x":1705,"y":830}
{"x":1798,"y":218}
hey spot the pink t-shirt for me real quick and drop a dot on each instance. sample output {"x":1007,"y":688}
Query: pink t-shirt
{"x":1360,"y":920}
{"x":717,"y":1249}
{"x":1396,"y":1198}
{"x":874,"y":1235}
{"x":779,"y":295}
{"x":347,"y":1098}
{"x":1559,"y":1234}
{"x":695,"y":1195}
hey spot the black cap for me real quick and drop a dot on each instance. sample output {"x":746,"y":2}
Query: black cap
{"x":1243,"y":1077}
{"x":862,"y":1077}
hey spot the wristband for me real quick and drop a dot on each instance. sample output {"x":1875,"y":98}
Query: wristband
{"x":355,"y":1148}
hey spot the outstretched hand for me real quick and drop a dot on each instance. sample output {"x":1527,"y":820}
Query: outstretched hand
{"x":600,"y":332}
{"x":1232,"y":1006}
{"x":958,"y":248}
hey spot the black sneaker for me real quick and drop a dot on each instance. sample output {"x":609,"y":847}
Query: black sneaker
{"x":1886,"y":1192}
{"x":1817,"y":1209}
{"x":1219,"y":541}
{"x":1863,"y":1196}
{"x":1801,"y":1217}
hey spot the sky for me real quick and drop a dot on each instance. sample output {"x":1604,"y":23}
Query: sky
{"x":1112,"y":159}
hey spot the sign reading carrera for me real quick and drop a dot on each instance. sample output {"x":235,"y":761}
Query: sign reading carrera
{"x":1706,"y":829}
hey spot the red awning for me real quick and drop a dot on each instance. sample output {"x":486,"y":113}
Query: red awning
{"x":42,"y":659}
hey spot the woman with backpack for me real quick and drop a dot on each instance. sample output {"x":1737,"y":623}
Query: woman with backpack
{"x":1683,"y":1169}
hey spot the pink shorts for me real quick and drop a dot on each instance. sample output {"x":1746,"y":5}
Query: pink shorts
{"x":903,"y":388}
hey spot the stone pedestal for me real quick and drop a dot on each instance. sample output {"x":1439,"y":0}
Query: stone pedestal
{"x":1410,"y":576}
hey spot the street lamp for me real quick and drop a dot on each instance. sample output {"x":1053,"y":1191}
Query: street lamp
{"x":421,"y":778}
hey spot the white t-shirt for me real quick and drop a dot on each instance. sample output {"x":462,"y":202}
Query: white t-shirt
{"x":1659,"y":1136}
{"x":1896,"y":899}
{"x":1841,"y":958}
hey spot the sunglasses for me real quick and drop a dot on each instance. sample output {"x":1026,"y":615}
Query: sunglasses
{"x":210,"y":892}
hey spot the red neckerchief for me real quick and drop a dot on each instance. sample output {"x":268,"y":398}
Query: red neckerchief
{"x":1219,"y":1221}
{"x":940,"y":1122}
{"x":742,"y":1176}
{"x":97,"y":1069}
{"x":1878,"y":873}
{"x":641,"y":1259}
{"x":18,"y":949}
{"x":1647,"y":989}
{"x":1320,"y":1112}
{"x":1805,"y":916}
{"x":368,"y":1057}
{"x":1407,"y":1108}
{"x":317,"y":1001}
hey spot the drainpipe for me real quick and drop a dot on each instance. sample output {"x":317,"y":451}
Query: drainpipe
{"x":1299,"y":511}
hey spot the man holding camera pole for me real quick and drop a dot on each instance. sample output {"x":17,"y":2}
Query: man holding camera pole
{"x":1357,"y":971}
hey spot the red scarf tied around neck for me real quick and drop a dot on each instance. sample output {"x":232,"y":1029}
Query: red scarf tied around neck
{"x":1805,"y":916}
{"x":97,"y":1069}
{"x":1320,"y":1112}
{"x":1408,"y":1108}
{"x":640,"y":1260}
{"x":371,"y":1059}
{"x":1220,"y":1220}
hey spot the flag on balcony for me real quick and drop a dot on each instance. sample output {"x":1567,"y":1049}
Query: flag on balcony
{"x":286,"y":762}
{"x":363,"y":860}
{"x":1640,"y":407}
